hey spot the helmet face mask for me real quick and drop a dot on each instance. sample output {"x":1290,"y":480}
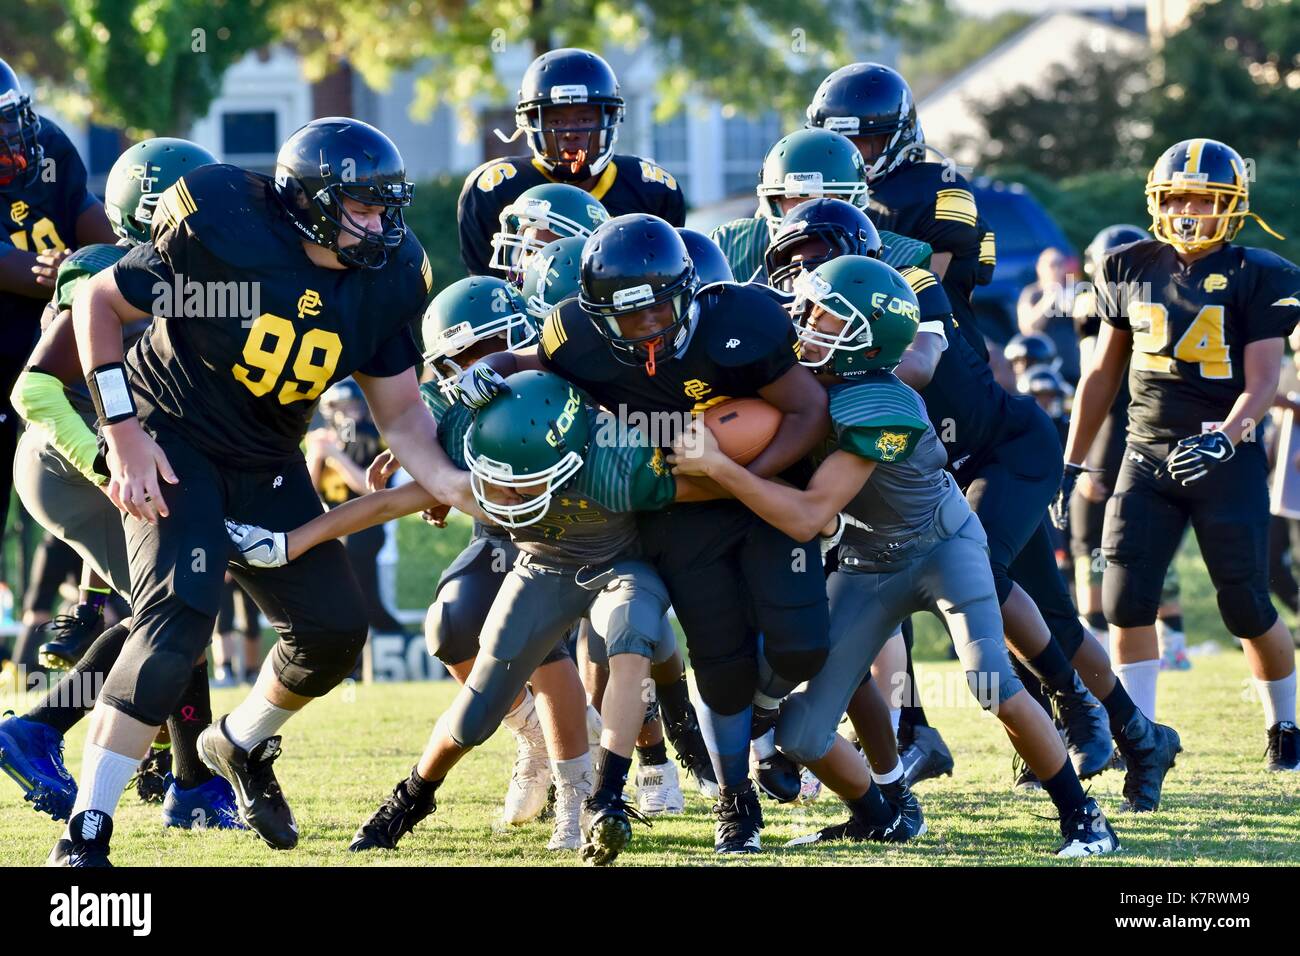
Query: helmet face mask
{"x":814,"y":294}
{"x":569,"y":77}
{"x":466,"y":319}
{"x":539,"y":216}
{"x":485,"y":475}
{"x":21,"y":155}
{"x":843,"y":229}
{"x":869,"y":100}
{"x":140,"y":176}
{"x":551,"y":276}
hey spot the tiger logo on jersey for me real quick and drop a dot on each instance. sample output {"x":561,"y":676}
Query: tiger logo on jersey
{"x":891,"y":445}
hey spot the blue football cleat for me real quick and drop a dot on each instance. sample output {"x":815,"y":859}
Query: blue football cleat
{"x":32,"y":754}
{"x":210,"y":805}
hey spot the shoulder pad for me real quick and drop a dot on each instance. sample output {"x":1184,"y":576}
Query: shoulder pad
{"x":85,"y":262}
{"x":1266,"y":259}
{"x":227,"y":209}
{"x":877,"y":402}
{"x":742,"y":323}
{"x":899,"y":251}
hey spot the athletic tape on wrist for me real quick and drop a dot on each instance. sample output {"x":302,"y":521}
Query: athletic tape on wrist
{"x":111,"y":393}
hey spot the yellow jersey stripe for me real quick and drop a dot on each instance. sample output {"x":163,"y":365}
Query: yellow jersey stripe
{"x":426,"y":273}
{"x":955,"y":204}
{"x":183,"y":193}
{"x":919,"y":279}
{"x":605,"y":182}
{"x":553,"y":334}
{"x":988,"y":249}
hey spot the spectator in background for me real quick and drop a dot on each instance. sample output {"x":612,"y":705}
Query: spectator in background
{"x":238,"y":617}
{"x":338,"y":454}
{"x":1046,"y":306}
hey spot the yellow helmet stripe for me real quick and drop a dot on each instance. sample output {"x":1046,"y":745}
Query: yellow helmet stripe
{"x":1193,"y":164}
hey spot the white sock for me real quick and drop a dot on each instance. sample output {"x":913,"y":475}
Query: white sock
{"x":104,"y":776}
{"x":255,"y":720}
{"x":1278,"y":698}
{"x":1139,"y":681}
{"x":890,"y":776}
{"x":895,"y":718}
{"x":765,"y":746}
{"x":519,"y":718}
{"x":575,"y":773}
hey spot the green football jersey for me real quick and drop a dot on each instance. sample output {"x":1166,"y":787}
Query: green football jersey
{"x":744,"y":242}
{"x":81,"y":265}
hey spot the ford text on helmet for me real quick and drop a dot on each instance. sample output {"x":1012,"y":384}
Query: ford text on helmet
{"x":140,"y":176}
{"x":844,"y":228}
{"x":556,"y":208}
{"x":472,"y":310}
{"x":868,"y":99}
{"x":810,"y":164}
{"x":564,"y":78}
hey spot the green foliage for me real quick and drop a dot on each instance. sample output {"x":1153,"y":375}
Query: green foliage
{"x":432,"y":217}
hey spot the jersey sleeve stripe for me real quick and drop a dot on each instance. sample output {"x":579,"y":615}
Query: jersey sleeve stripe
{"x":955,"y":204}
{"x":988,"y":249}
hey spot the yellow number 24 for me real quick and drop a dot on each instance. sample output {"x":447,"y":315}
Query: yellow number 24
{"x":1203,"y":344}
{"x":318,"y":355}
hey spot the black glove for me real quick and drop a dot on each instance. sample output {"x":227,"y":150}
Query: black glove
{"x":1060,"y":509}
{"x":478,"y":385}
{"x":1192,"y":458}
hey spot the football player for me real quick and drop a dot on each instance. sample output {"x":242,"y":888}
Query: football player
{"x":992,"y":443}
{"x":56,"y":481}
{"x":209,"y":423}
{"x":542,"y":214}
{"x":46,"y":211}
{"x":1201,"y":324}
{"x":564,"y":481}
{"x":808,"y":163}
{"x":912,"y":544}
{"x":568,"y":109}
{"x":643,"y":339}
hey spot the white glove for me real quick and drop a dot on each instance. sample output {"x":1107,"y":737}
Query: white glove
{"x":829,"y":542}
{"x":259,"y":548}
{"x":478,"y":385}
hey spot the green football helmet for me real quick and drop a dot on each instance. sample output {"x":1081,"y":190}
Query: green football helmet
{"x":140,"y":176}
{"x":552,"y":276}
{"x":877,"y":306}
{"x":469,"y":311}
{"x":533,"y":437}
{"x":810,"y":164}
{"x":557,"y":208}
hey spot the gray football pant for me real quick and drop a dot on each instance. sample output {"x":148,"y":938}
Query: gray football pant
{"x":534,"y":610}
{"x":952,"y":580}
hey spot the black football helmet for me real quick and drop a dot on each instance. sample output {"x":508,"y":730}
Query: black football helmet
{"x":710,"y":264}
{"x":1112,"y":237}
{"x":867,"y":99}
{"x":20,"y":153}
{"x":1026,"y":351}
{"x":335,"y":157}
{"x":563,"y":78}
{"x":629,"y":264}
{"x":842,"y":225}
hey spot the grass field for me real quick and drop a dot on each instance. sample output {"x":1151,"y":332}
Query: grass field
{"x":345,"y":752}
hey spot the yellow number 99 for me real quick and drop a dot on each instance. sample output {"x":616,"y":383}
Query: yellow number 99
{"x":256,"y":354}
{"x":307,"y":369}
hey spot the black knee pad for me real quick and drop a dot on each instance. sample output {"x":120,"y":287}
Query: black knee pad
{"x":1247,"y":612}
{"x":477,"y":711}
{"x":1128,"y":597}
{"x":451,"y":634}
{"x":312,"y":664}
{"x":796,"y":737}
{"x":1002,"y":582}
{"x":726,"y":687}
{"x":147,"y":687}
{"x":796,"y":640}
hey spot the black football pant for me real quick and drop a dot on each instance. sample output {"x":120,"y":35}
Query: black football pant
{"x":177,"y":578}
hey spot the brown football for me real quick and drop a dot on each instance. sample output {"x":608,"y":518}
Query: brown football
{"x":743,"y":427}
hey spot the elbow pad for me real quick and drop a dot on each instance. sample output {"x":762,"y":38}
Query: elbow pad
{"x":41,"y":401}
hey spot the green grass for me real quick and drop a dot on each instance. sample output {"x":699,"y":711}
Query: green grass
{"x":344,"y":753}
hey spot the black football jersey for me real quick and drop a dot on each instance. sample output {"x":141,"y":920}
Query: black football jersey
{"x":743,"y":341}
{"x":933,"y":203}
{"x":1190,"y":325}
{"x":36,"y":218}
{"x":247,"y":331}
{"x":628,"y":184}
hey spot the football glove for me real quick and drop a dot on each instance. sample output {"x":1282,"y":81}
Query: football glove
{"x":259,"y":548}
{"x":478,"y":385}
{"x":1193,"y":458}
{"x":829,"y":541}
{"x":1060,"y":509}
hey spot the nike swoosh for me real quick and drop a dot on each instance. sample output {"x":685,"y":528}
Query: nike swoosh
{"x":1209,"y":454}
{"x":267,"y":542}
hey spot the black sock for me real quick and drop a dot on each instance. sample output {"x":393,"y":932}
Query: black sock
{"x":653,"y":755}
{"x":1051,"y":667}
{"x":1119,"y":708}
{"x":192,"y":714}
{"x":1174,"y":621}
{"x":674,"y":700}
{"x":872,"y":808}
{"x":911,"y":713}
{"x":72,"y":697}
{"x":1065,"y":790}
{"x":1097,"y":621}
{"x":418,"y":787}
{"x":611,"y":771}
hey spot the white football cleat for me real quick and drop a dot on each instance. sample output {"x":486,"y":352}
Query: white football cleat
{"x":659,"y":790}
{"x":810,"y":788}
{"x":567,"y":833}
{"x":531,"y":779}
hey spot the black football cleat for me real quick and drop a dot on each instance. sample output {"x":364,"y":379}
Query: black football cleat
{"x":396,"y":817}
{"x":853,"y":830}
{"x":154,"y":775}
{"x":740,"y":818}
{"x":1022,"y":778}
{"x":900,"y":796}
{"x":65,"y":638}
{"x":777,"y":775}
{"x":925,"y":756}
{"x":692,"y":754}
{"x":261,"y":802}
{"x":1086,"y":729}
{"x":1087,"y":832}
{"x":1283,"y":752}
{"x":1149,"y":750}
{"x":86,"y":844}
{"x":606,"y":827}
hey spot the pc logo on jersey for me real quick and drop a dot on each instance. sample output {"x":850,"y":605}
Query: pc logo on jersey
{"x":309,"y":303}
{"x":19,"y":211}
{"x":1215,"y":282}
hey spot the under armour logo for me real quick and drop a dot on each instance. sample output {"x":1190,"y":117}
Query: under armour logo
{"x":279,"y":480}
{"x":732,"y":343}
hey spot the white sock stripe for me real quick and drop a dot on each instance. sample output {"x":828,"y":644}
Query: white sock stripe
{"x":890,"y":776}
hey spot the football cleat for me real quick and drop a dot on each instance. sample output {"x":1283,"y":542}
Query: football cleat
{"x":209,"y":806}
{"x":905,"y":825}
{"x":1022,"y":778}
{"x":776,"y":774}
{"x":154,"y":775}
{"x":68,"y":636}
{"x":262,"y":806}
{"x":658,"y":789}
{"x":86,"y":844}
{"x":1283,"y":747}
{"x":531,"y":778}
{"x":925,"y":756}
{"x":567,"y":832}
{"x":900,"y":796}
{"x":1085,"y":728}
{"x":32,"y":754}
{"x":1087,"y":832}
{"x":739,"y":819}
{"x":396,"y":817}
{"x":1149,"y":750}
{"x":606,"y":827}
{"x":810,"y":788}
{"x":688,"y":744}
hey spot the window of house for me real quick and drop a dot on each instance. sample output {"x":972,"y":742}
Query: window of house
{"x":672,"y":150}
{"x":250,"y":139}
{"x":746,"y":141}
